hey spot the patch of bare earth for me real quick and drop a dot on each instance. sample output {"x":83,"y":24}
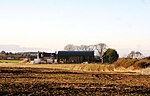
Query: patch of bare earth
{"x":47,"y":81}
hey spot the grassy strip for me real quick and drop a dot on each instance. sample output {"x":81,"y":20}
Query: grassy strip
{"x":73,"y":67}
{"x":9,"y":61}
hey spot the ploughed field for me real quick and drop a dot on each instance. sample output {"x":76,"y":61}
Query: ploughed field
{"x":46,"y":81}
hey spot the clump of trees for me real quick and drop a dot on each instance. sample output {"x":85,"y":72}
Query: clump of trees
{"x":100,"y":49}
{"x":12,"y":56}
{"x":135,"y":54}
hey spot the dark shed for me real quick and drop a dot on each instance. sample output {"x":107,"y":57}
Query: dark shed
{"x":75,"y":56}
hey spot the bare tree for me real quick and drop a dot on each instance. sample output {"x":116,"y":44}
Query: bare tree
{"x":70,"y":47}
{"x":84,"y":47}
{"x":138,"y":54}
{"x":101,"y":49}
{"x":91,"y":47}
{"x":131,"y":54}
{"x":134,"y":54}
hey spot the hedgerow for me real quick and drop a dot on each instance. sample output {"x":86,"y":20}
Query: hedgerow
{"x":136,"y":63}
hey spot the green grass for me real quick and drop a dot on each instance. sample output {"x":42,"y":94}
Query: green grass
{"x":9,"y":61}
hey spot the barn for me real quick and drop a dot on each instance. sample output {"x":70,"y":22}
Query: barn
{"x":75,"y":56}
{"x":43,"y":57}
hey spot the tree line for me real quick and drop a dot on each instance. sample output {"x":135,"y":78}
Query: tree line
{"x":15,"y":56}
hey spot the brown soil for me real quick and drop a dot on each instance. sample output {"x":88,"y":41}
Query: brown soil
{"x":46,"y":81}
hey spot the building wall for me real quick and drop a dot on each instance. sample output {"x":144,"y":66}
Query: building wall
{"x":75,"y":56}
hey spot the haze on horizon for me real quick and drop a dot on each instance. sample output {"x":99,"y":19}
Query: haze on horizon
{"x":52,"y":24}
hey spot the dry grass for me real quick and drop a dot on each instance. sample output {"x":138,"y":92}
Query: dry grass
{"x":75,"y":67}
{"x":122,"y":65}
{"x":146,"y":71}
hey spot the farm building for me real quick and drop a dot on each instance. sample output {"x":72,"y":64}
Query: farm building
{"x":75,"y":56}
{"x":41,"y":57}
{"x":46,"y":57}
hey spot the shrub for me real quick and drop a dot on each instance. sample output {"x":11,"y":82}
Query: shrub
{"x":142,"y":64}
{"x":124,"y":62}
{"x":110,"y":56}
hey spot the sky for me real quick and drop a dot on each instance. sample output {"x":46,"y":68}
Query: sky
{"x":49,"y":25}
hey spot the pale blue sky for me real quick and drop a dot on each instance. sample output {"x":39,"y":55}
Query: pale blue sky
{"x":51,"y":24}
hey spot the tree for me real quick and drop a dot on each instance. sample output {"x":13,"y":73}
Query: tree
{"x":131,"y":54}
{"x":138,"y":54}
{"x":70,"y":47}
{"x":84,"y":48}
{"x":3,"y":52}
{"x":134,"y":54}
{"x":110,"y":56}
{"x":101,"y":49}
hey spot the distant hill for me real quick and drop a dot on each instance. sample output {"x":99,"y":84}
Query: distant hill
{"x":17,"y":48}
